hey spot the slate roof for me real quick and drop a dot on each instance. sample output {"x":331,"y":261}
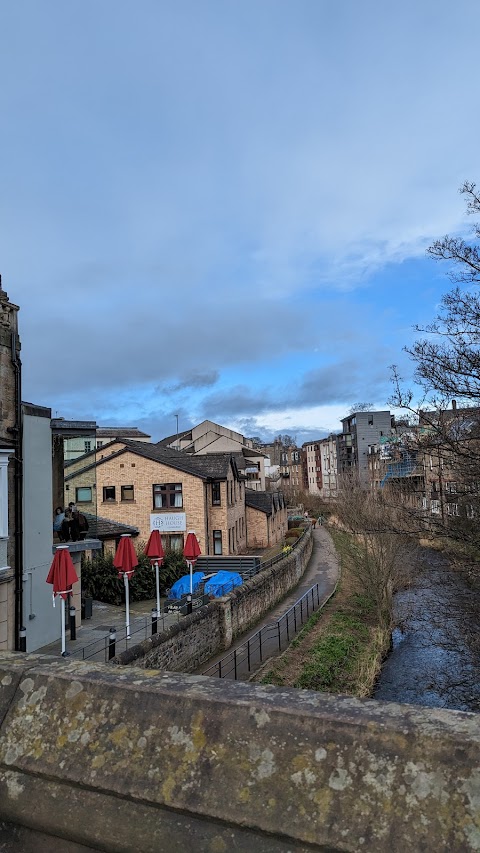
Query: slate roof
{"x":105,"y":528}
{"x":212,"y":466}
{"x":267,"y":502}
{"x":171,"y":438}
{"x":121,"y":432}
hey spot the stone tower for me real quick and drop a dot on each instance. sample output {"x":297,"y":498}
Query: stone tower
{"x":10,"y":469}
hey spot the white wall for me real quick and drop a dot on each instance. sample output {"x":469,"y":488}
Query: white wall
{"x":45,"y":627}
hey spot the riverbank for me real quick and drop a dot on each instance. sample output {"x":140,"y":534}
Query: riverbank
{"x":341,"y":648}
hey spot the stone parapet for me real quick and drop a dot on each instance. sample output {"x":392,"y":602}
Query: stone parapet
{"x":124,"y":760}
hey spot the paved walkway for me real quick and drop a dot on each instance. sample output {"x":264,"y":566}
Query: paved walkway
{"x":323,"y":568}
{"x":92,"y":636}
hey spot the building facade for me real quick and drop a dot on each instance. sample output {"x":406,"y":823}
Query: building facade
{"x":359,"y":430}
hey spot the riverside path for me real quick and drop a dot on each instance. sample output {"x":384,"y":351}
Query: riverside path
{"x":322,"y":569}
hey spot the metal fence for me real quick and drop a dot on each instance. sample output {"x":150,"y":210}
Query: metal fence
{"x":116,"y":641}
{"x":269,"y":640}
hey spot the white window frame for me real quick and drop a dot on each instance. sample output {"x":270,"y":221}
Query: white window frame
{"x":435,"y":507}
{"x":4,"y":454}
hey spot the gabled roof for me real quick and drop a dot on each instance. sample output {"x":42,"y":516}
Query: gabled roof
{"x":267,"y":502}
{"x":213,"y":466}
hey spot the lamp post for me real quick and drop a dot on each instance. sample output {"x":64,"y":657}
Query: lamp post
{"x":178,"y":448}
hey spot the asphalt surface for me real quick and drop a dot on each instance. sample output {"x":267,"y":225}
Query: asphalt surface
{"x":322,"y":570}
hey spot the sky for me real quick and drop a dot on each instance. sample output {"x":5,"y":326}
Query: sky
{"x":220,"y":208}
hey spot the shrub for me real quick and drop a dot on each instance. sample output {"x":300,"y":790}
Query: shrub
{"x":100,"y":578}
{"x":290,"y":541}
{"x":295,"y":532}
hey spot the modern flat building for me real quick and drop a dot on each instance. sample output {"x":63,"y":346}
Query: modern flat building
{"x":360,"y":430}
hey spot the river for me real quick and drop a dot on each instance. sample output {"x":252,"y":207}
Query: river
{"x":435,"y":657}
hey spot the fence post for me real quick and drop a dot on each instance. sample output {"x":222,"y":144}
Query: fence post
{"x":73,"y":627}
{"x":111,"y":643}
{"x":301,"y":610}
{"x":288,"y":634}
{"x":23,"y":639}
{"x":248,"y":654}
{"x":306,"y":602}
{"x":154,"y":620}
{"x":313,"y":600}
{"x":318,"y":596}
{"x":219,"y":668}
{"x":295,"y":617}
{"x":260,"y":644}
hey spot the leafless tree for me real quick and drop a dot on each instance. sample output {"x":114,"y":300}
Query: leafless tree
{"x":382,"y":548}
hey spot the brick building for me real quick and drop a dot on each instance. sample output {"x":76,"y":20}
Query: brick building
{"x":267,"y":518}
{"x":153,"y":487}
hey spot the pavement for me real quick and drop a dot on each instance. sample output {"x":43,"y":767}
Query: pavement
{"x":93,"y":634}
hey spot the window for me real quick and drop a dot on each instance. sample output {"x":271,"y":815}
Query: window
{"x":370,"y":420}
{"x":451,"y":487}
{"x":109,"y":493}
{"x":452,"y":509}
{"x":172,"y":541}
{"x":88,"y":446}
{"x":470,"y":511}
{"x":99,"y":443}
{"x":435,"y":507}
{"x":217,"y":541}
{"x":83,"y":494}
{"x":216,"y":495}
{"x":127,"y":493}
{"x":167,"y":495}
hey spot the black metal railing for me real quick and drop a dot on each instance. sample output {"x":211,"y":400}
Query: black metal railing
{"x":270,"y":640}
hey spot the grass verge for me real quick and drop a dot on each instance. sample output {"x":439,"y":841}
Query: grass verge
{"x":341,"y":648}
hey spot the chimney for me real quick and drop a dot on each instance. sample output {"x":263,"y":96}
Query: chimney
{"x":454,"y":405}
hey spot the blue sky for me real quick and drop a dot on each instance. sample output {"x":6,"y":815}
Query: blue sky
{"x":216,"y":208}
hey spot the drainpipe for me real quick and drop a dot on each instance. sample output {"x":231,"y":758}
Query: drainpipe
{"x":207,"y":529}
{"x":18,"y":433}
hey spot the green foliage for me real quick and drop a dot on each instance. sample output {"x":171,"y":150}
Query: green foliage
{"x":290,"y":541}
{"x":100,"y":578}
{"x":295,"y":532}
{"x":333,"y":655}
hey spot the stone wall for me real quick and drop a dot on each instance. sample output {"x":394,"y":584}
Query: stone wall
{"x":211,"y":629}
{"x":124,"y":760}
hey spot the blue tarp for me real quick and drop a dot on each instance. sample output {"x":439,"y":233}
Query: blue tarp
{"x":182,"y":586}
{"x":221,"y":583}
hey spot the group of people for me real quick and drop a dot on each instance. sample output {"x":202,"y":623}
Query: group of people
{"x":69,"y":524}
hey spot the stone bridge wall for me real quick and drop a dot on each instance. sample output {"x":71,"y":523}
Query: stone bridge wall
{"x":211,"y":629}
{"x":128,"y":759}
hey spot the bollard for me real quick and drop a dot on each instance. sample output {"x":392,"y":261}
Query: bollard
{"x":154,"y":620}
{"x":23,"y":639}
{"x":111,"y":643}
{"x":73,"y":627}
{"x":189,"y":604}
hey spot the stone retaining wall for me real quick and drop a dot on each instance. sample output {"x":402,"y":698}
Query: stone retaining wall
{"x":211,"y":629}
{"x":127,"y":759}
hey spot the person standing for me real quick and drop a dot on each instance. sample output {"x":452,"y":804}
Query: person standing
{"x":58,"y":520}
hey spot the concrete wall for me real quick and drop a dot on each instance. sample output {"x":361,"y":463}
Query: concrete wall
{"x":152,"y":761}
{"x":198,"y":637}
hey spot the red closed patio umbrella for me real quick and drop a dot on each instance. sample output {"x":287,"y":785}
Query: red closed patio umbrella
{"x":154,"y":550}
{"x":191,"y":551}
{"x":125,"y":560}
{"x":62,"y":576}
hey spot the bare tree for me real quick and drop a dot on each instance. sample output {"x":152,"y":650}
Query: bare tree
{"x":381,"y":548}
{"x":447,"y":368}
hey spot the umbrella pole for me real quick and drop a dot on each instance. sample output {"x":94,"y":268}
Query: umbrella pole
{"x":127,"y":605}
{"x":157,"y":583}
{"x":63,"y":625}
{"x":191,"y":578}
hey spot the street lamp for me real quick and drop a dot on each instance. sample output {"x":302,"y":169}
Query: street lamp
{"x":178,"y":448}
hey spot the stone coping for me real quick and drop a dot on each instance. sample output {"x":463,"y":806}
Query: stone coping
{"x":81,"y":545}
{"x":143,"y":759}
